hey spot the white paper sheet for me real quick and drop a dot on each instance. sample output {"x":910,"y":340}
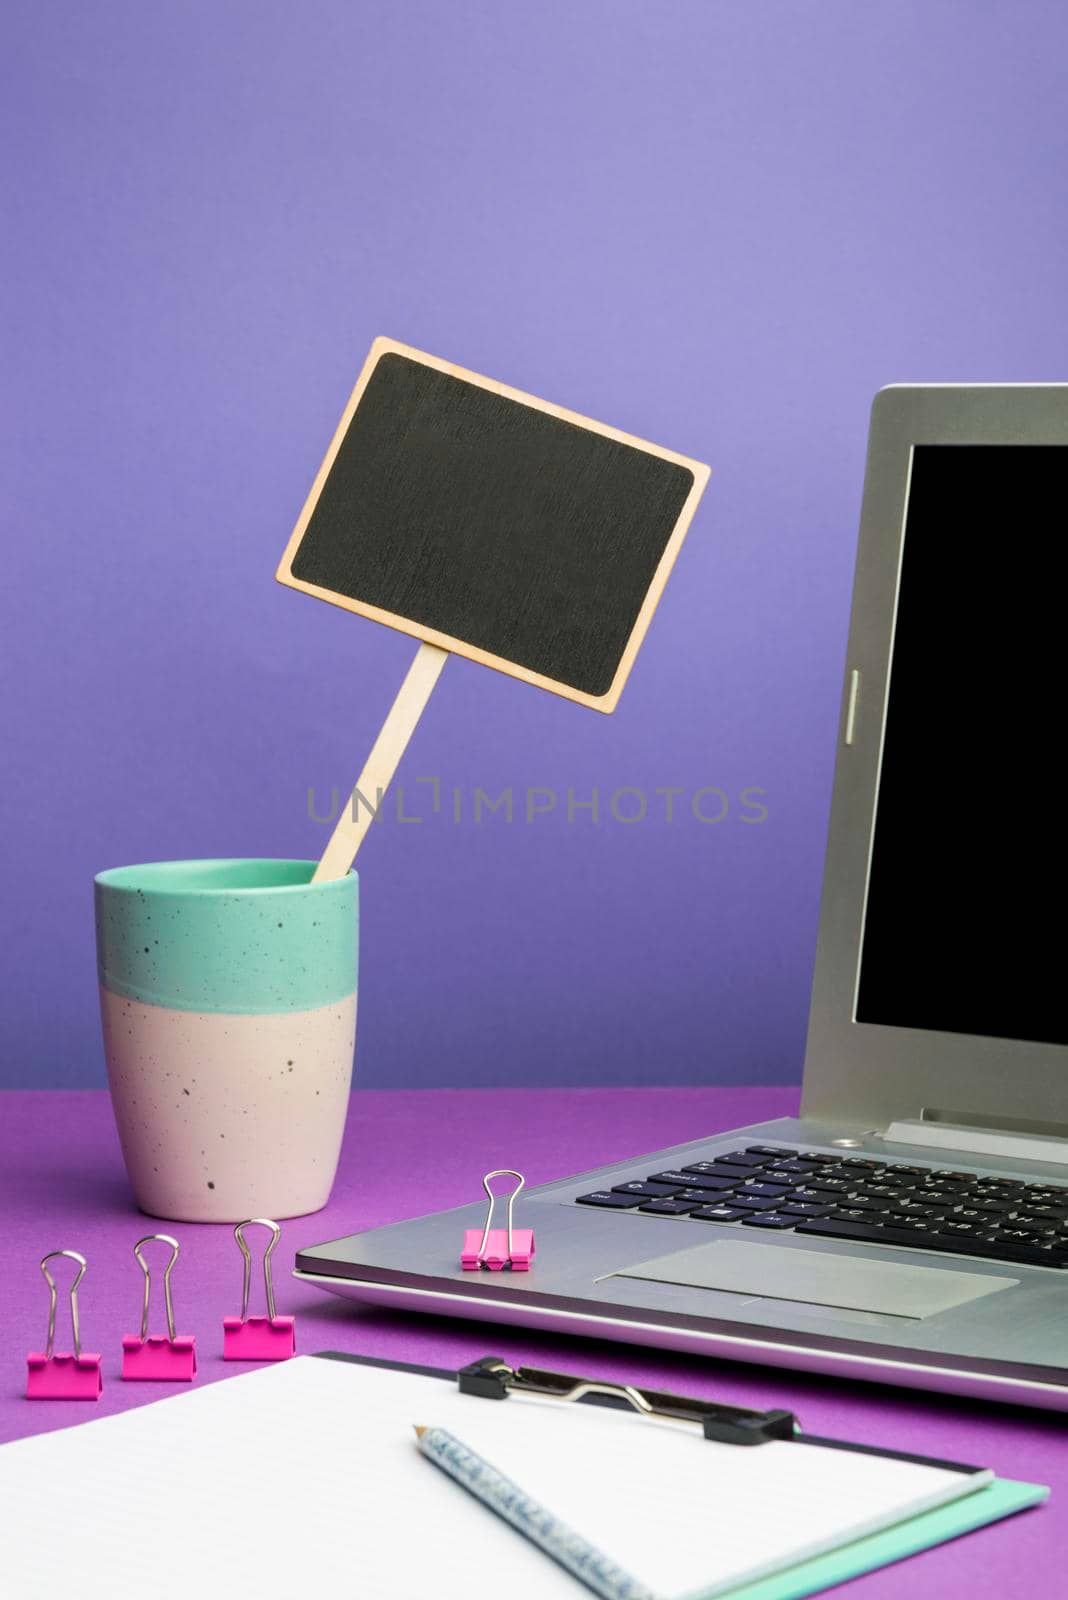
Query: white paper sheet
{"x":307,"y":1475}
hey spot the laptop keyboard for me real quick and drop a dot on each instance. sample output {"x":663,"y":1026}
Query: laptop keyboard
{"x":872,"y":1202}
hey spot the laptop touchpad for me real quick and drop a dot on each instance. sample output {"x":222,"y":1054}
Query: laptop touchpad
{"x":818,"y":1277}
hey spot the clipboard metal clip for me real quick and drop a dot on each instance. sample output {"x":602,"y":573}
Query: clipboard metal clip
{"x":493,"y":1379}
{"x":499,"y":1247}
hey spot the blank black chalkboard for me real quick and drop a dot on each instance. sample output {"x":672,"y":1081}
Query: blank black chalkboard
{"x":493,"y":524}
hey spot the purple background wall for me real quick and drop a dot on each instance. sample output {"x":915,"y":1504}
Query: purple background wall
{"x":719,"y":226}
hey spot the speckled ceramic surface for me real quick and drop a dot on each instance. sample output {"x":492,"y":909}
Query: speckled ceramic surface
{"x":228,"y":998}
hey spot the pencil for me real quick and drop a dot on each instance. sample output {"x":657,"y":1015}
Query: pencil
{"x":540,"y":1526}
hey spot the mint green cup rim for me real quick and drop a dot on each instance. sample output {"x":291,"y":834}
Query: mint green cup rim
{"x":209,"y":875}
{"x":231,"y":935}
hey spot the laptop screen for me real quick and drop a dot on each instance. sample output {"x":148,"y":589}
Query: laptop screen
{"x":968,"y":877}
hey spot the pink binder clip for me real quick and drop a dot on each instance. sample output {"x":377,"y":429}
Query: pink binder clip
{"x":68,"y":1375}
{"x":155,"y":1357}
{"x":496,"y":1248}
{"x":269,"y":1338}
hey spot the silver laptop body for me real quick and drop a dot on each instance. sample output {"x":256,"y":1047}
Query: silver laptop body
{"x":912,"y":1225}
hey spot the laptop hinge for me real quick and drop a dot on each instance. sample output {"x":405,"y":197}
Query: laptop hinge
{"x":1012,"y":1139}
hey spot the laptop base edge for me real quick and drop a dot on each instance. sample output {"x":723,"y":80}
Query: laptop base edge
{"x":778,"y":1352}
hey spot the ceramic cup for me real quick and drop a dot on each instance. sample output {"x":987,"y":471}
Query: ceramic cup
{"x":228,"y":996}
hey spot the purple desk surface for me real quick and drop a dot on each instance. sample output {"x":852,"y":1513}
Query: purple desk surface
{"x":62,"y":1185}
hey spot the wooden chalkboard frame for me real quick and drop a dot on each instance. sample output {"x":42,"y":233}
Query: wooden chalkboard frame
{"x":606,"y":702}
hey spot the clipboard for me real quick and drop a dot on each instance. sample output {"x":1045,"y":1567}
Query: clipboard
{"x":326,"y":1446}
{"x":493,"y":1380}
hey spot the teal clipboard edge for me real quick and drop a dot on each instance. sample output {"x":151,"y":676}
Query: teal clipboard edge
{"x":1002,"y":1498}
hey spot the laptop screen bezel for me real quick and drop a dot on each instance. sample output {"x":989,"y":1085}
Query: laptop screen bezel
{"x":864,"y":1074}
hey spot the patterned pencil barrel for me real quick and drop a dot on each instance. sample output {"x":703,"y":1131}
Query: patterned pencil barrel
{"x":500,"y":1494}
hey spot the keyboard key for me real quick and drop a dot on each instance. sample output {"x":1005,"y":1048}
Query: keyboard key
{"x":669,"y":1208}
{"x":867,"y":1202}
{"x":775,"y":1190}
{"x":794,"y":1168}
{"x":830,"y":1185}
{"x":689,"y":1178}
{"x":803,"y":1208}
{"x":650,"y":1191}
{"x":732,"y":1170}
{"x":916,"y":1239}
{"x":769,"y":1150}
{"x":609,"y":1199}
{"x":900,"y":1171}
{"x":717,"y":1186}
{"x":703,"y":1197}
{"x":753,"y":1202}
{"x":742,"y":1158}
{"x":717,"y":1214}
{"x":941,"y":1176}
{"x":1015,"y":1235}
{"x":769,"y":1219}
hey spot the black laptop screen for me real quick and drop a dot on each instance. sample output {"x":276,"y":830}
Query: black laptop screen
{"x":968,"y":884}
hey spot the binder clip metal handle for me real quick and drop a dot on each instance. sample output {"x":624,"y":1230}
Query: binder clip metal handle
{"x":163,"y":1238}
{"x":169,"y":1358}
{"x":53,"y":1295}
{"x":72,"y":1375}
{"x":269,"y":1338}
{"x":268,"y":1280}
{"x":501,"y":1172}
{"x":499,"y":1247}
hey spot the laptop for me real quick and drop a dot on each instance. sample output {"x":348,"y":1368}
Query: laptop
{"x":911,"y":1225}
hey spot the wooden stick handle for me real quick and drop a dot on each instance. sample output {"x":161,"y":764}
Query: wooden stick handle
{"x":358,"y":814}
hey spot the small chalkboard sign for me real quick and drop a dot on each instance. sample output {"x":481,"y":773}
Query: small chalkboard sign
{"x":492,"y":525}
